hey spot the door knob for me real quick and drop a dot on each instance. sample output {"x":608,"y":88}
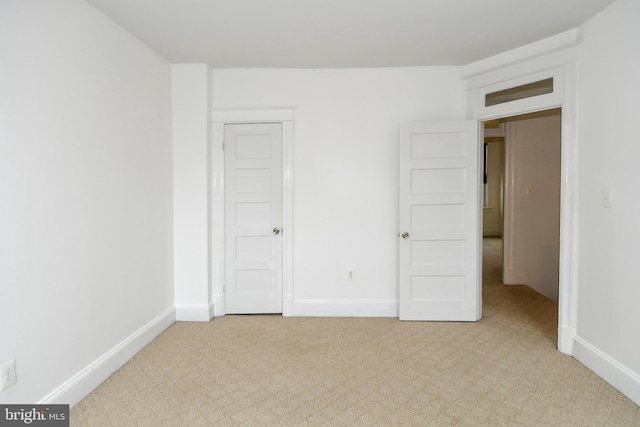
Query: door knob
{"x":276,"y":231}
{"x":405,"y":235}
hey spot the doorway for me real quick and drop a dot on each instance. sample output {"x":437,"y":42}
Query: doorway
{"x":220,"y":119}
{"x":521,"y":211}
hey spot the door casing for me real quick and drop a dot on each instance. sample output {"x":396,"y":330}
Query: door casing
{"x":530,"y":66}
{"x":284,"y":116}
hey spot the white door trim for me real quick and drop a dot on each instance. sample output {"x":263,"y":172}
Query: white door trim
{"x":561,"y":61}
{"x":219,"y":118}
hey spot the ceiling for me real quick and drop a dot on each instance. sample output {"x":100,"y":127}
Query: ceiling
{"x":342,"y":33}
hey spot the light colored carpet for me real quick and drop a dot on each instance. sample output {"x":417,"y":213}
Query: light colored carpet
{"x":271,"y":370}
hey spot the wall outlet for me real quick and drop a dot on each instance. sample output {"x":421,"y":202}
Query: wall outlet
{"x":351,"y":274}
{"x":607,"y":198}
{"x":8,"y":374}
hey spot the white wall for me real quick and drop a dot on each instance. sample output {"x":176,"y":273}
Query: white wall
{"x":191,"y":136}
{"x":608,"y":314}
{"x":85,"y":214}
{"x":533,"y":147}
{"x":346,"y":169}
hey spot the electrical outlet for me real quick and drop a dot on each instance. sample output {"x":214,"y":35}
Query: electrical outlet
{"x":8,"y":374}
{"x":351,"y":274}
{"x":607,"y":198}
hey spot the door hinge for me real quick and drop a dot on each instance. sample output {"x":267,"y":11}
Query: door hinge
{"x":223,"y":145}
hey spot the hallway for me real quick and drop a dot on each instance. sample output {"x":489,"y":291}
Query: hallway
{"x":499,"y":300}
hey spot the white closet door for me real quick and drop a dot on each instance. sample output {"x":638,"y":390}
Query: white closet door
{"x":253,"y":218}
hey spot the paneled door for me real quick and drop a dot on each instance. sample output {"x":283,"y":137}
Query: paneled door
{"x":439,"y":271}
{"x":253,"y":218}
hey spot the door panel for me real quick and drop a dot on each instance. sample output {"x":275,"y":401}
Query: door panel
{"x":439,"y":275}
{"x":253,"y":210}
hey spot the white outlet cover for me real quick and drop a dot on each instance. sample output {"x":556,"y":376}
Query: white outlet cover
{"x":8,"y":374}
{"x":351,"y":274}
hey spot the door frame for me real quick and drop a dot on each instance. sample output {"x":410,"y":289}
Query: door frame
{"x":555,"y":58}
{"x":219,"y":118}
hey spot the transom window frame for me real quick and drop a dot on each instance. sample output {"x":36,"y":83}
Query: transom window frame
{"x":532,"y":103}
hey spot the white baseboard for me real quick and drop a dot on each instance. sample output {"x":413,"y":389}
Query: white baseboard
{"x":84,"y":382}
{"x":616,"y":374}
{"x":345,"y":308}
{"x":195,"y":312}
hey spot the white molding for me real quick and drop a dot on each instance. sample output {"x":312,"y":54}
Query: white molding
{"x":613,"y":372}
{"x":534,"y":65}
{"x":558,"y":42}
{"x":569,"y":216}
{"x":287,"y":305}
{"x":565,"y":339}
{"x":521,"y":65}
{"x":84,"y":382}
{"x":218,"y":305}
{"x":345,"y":308}
{"x":194,"y":312}
{"x":253,"y":115}
{"x":219,"y":118}
{"x":287,"y":217}
{"x":217,"y":230}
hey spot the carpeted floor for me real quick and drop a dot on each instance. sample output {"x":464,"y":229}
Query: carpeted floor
{"x":269,"y":370}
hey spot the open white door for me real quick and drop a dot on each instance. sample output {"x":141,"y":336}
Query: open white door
{"x":253,"y":218}
{"x":439,"y":244}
